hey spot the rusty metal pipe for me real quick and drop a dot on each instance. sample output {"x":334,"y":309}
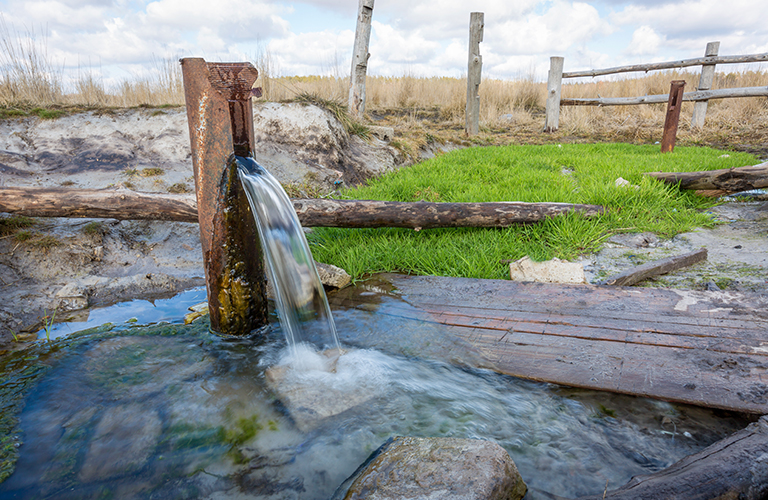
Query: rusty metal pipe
{"x":674,"y":105}
{"x":220,"y":120}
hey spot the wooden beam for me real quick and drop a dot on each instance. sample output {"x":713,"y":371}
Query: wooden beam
{"x":727,"y":179}
{"x":705,"y":83}
{"x":701,"y":95}
{"x":360,"y":57}
{"x":554,"y":89}
{"x":669,"y":65}
{"x":128,"y":205}
{"x":655,"y":268}
{"x":474,"y":73}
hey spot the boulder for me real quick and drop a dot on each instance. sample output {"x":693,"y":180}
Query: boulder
{"x":435,"y":468}
{"x":550,"y":271}
{"x":332,"y":276}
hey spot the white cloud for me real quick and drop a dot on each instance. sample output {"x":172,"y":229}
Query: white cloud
{"x":644,"y":41}
{"x":687,"y":26}
{"x":552,"y":32}
{"x":321,"y":52}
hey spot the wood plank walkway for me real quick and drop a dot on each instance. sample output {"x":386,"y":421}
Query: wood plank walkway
{"x":703,"y":348}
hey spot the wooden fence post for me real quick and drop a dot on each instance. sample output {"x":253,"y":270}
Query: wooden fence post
{"x":554,"y":84}
{"x":474,"y":71}
{"x":673,"y":115}
{"x":705,"y":83}
{"x":360,"y":57}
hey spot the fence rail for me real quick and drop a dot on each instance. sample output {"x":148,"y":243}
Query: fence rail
{"x":700,"y":96}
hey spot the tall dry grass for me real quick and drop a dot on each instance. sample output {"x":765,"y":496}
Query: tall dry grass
{"x":29,"y":79}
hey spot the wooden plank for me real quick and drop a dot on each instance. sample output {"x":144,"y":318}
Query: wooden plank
{"x":699,"y":95}
{"x":683,"y":63}
{"x":655,"y":268}
{"x":708,"y":349}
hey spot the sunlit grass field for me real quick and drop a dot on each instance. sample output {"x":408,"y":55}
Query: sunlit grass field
{"x":571,"y":173}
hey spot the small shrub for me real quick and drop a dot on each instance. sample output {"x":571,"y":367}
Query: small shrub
{"x":94,"y":228}
{"x":152,"y":172}
{"x":179,"y":188}
{"x":48,"y":114}
{"x":44,"y":242}
{"x":9,"y":225}
{"x":22,"y":236}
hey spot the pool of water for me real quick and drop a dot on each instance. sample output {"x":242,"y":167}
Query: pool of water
{"x":172,"y":411}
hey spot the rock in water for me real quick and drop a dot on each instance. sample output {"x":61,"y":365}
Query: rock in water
{"x":435,"y":469}
{"x":321,"y":385}
{"x":125,"y":438}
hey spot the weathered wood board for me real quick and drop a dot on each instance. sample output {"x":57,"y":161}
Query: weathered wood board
{"x":703,"y":348}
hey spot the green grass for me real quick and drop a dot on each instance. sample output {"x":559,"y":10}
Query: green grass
{"x":572,"y":173}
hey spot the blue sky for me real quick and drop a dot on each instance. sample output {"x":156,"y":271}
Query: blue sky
{"x":118,"y":39}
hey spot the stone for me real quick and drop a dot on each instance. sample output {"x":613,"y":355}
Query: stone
{"x":332,"y":276}
{"x":435,"y":469}
{"x":314,"y":393}
{"x":71,"y":298}
{"x":635,"y":240}
{"x":385,"y":134}
{"x":124,"y":439}
{"x":550,"y":271}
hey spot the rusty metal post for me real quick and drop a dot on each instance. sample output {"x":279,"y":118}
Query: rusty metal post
{"x":220,"y":119}
{"x":673,"y":115}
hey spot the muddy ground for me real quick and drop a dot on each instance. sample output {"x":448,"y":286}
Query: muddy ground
{"x":67,"y":265}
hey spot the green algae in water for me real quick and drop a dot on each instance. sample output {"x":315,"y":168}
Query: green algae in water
{"x":22,"y":370}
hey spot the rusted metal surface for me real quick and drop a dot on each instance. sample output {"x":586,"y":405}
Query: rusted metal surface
{"x":674,"y":104}
{"x":220,"y":120}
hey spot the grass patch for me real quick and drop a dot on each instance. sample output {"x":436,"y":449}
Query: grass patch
{"x":337,"y":109}
{"x":151,"y":172}
{"x":11,"y":224}
{"x":94,"y":228}
{"x":570,"y":173}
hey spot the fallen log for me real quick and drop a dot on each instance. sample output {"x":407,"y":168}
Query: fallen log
{"x":125,"y":204}
{"x":734,"y":467}
{"x":655,"y":268}
{"x":728,"y":180}
{"x":426,"y":215}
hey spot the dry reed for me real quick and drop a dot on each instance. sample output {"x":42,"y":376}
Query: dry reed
{"x":417,"y":107}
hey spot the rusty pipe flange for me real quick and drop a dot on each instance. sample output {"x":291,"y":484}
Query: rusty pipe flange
{"x":220,"y":120}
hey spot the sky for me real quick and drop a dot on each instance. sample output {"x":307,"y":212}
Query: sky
{"x":119,"y":39}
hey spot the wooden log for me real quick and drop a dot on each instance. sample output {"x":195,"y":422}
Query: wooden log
{"x":474,"y":73}
{"x":701,"y":95}
{"x":106,"y":203}
{"x":655,"y":268}
{"x":554,"y":87}
{"x":129,"y":205}
{"x":730,"y":180}
{"x":360,"y":57}
{"x":705,"y":83}
{"x":683,"y":63}
{"x":734,"y":467}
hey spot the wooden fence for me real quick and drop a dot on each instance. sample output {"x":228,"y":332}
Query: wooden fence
{"x":700,"y":96}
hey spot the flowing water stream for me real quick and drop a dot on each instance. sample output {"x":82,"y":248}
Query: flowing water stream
{"x":172,"y":411}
